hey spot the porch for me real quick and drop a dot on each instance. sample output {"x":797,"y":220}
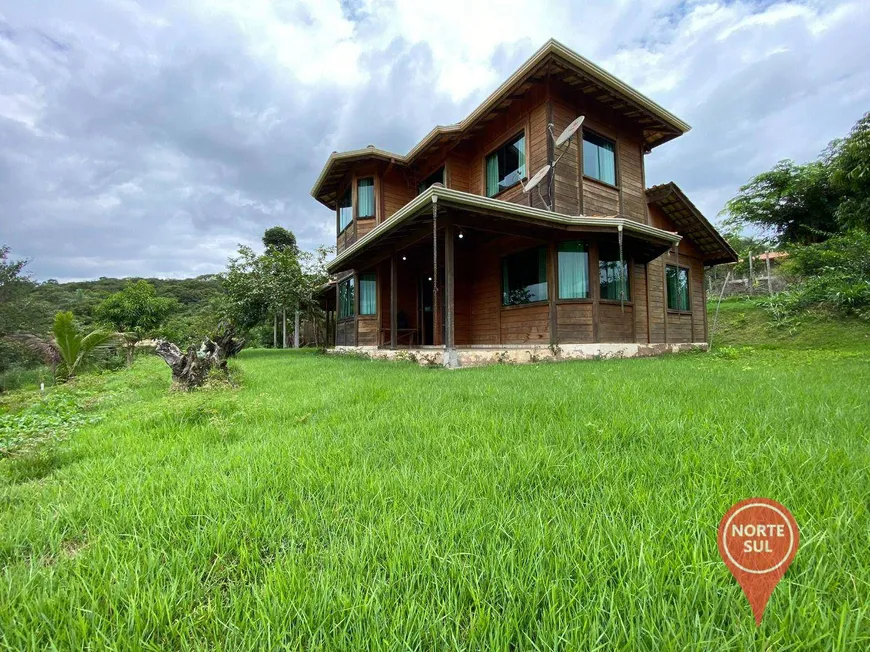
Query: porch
{"x":463,"y":277}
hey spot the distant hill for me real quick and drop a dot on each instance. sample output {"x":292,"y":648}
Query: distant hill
{"x":194,"y":296}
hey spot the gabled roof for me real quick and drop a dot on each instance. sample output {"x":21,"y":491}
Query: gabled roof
{"x":553,"y":60}
{"x":691,"y":223}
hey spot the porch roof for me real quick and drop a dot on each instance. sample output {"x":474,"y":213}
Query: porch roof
{"x":411,"y":223}
{"x":692,"y":223}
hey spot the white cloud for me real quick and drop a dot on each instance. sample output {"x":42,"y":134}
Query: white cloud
{"x":151,"y":138}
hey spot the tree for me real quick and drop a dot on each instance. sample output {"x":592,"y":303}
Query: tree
{"x":136,"y":311}
{"x":313,"y":277}
{"x":792,"y":203}
{"x":849,"y":160}
{"x":281,"y":274}
{"x":247,"y":302}
{"x":277,"y":238}
{"x":15,"y":286}
{"x":69,"y":349}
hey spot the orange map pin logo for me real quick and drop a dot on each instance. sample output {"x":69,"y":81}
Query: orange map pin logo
{"x":758,"y":539}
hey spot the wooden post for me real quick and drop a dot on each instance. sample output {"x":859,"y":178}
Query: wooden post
{"x":394,"y":300}
{"x":769,"y":283}
{"x":326,"y":334}
{"x":436,"y":318}
{"x":552,"y":289}
{"x":449,"y":287}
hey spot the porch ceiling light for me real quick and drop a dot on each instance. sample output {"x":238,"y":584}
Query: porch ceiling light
{"x":404,"y":258}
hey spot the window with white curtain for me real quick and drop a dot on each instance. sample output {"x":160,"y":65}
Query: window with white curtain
{"x":599,"y":158}
{"x":573,"y":270}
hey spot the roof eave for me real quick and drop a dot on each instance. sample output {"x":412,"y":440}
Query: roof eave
{"x":468,"y":200}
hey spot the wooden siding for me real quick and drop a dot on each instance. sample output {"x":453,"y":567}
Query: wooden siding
{"x":397,"y":191}
{"x":367,"y":333}
{"x":614,"y":322}
{"x":574,"y":322}
{"x":525,"y":324}
{"x":638,"y":295}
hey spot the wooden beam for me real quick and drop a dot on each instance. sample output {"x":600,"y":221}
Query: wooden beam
{"x":553,"y":289}
{"x":449,"y":287}
{"x":394,"y":301}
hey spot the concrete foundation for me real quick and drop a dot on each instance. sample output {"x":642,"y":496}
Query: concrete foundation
{"x":484,"y":355}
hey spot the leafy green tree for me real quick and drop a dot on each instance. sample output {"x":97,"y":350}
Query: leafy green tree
{"x":136,"y":312}
{"x":246,"y":302}
{"x":792,"y":203}
{"x":849,"y":160}
{"x":277,"y":238}
{"x":15,"y":288}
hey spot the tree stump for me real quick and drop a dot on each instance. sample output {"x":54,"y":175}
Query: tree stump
{"x":191,"y":369}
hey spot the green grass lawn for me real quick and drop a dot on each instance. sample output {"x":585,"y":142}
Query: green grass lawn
{"x":342,"y":504}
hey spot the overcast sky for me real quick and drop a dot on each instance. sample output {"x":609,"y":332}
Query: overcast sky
{"x":150,"y":138}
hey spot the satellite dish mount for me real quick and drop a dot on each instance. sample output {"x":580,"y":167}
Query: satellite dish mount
{"x":560,"y":145}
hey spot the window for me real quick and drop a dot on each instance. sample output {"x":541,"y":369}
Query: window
{"x":367,"y":294}
{"x":345,"y":210}
{"x":678,"y":288}
{"x":524,"y":277}
{"x":436,"y":177}
{"x":506,"y":166}
{"x":612,"y":277}
{"x":573,"y":270}
{"x":599,"y":159}
{"x":345,"y":298}
{"x":365,"y":197}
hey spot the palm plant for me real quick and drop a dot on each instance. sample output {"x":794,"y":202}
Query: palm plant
{"x":69,"y":349}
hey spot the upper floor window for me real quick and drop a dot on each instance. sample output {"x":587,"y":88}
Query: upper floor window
{"x":524,"y":277}
{"x":573,"y":270}
{"x":678,"y":288}
{"x":506,"y":166}
{"x":612,"y":277}
{"x":599,"y":158}
{"x":365,"y":197}
{"x":345,"y":210}
{"x":436,"y":177}
{"x":367,"y":294}
{"x":345,"y":298}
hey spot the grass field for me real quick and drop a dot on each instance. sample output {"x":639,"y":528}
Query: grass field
{"x":337,"y":503}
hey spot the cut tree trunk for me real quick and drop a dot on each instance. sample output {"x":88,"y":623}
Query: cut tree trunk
{"x":191,"y":369}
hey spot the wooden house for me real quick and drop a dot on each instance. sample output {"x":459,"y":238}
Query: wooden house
{"x":441,"y":252}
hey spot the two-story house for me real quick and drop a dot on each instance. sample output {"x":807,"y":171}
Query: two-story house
{"x":440,"y":250}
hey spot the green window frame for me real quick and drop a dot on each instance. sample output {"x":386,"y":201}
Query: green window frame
{"x":612,"y":283}
{"x":345,"y":210}
{"x":524,"y":277}
{"x":345,"y":298}
{"x":506,"y":165}
{"x":599,"y":158}
{"x":436,"y":177}
{"x":678,"y":288}
{"x":365,"y":197}
{"x":367,"y":294}
{"x":573,"y":263}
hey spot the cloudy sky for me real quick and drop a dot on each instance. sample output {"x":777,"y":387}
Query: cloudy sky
{"x":150,"y":138}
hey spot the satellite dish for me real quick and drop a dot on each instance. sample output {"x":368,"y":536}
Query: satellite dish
{"x":535,"y":180}
{"x":570,"y":130}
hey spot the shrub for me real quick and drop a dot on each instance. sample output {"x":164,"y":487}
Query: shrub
{"x":835,"y":277}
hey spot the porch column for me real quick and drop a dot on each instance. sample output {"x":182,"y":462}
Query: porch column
{"x":436,"y":316}
{"x":394,"y":283}
{"x":449,"y":290}
{"x":326,"y":333}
